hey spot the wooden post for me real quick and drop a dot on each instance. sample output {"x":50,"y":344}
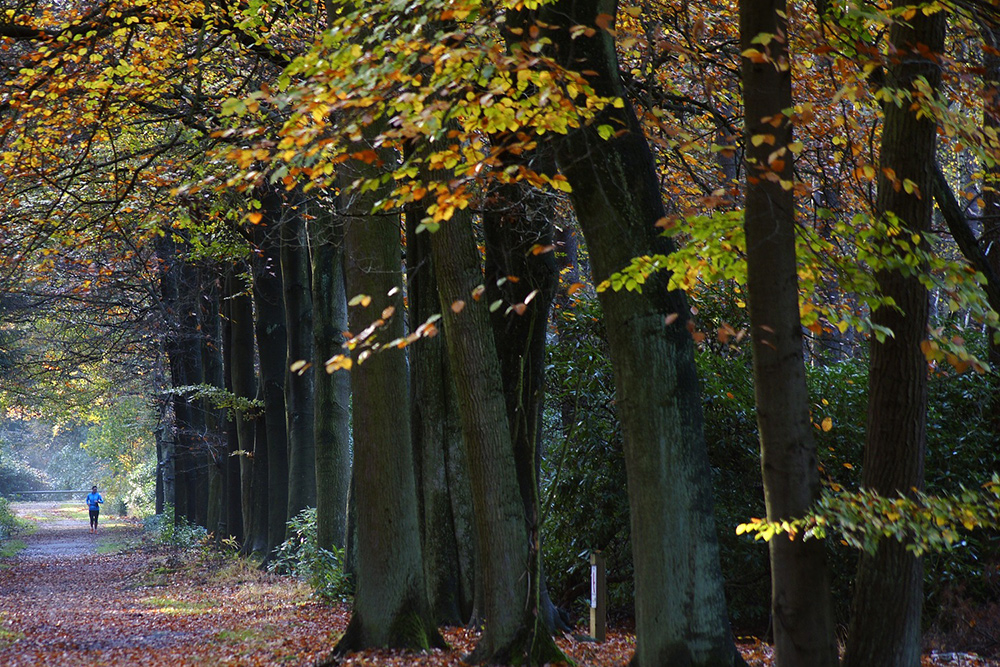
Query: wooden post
{"x":598,"y":597}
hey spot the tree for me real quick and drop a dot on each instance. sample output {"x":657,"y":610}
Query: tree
{"x":272,"y":344}
{"x":801,"y":609}
{"x":390,"y":604}
{"x":299,"y":386}
{"x":514,"y":631}
{"x":520,"y":280}
{"x":885,"y":614}
{"x":332,"y":390}
{"x":240,"y":351}
{"x":443,"y":494}
{"x":679,"y":603}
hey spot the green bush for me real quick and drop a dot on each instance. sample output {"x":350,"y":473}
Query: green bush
{"x":176,"y":532}
{"x":584,"y":496}
{"x":585,"y":503}
{"x":16,"y":474}
{"x":8,"y":521}
{"x":301,"y":556}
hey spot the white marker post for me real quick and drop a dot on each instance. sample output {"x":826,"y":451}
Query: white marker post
{"x":598,"y":597}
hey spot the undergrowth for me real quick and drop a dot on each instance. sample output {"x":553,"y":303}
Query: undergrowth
{"x":301,"y":556}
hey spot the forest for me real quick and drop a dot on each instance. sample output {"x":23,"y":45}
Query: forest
{"x":427,"y":302}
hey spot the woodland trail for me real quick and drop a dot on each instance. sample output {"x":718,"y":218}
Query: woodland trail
{"x":71,"y":598}
{"x":75,"y":598}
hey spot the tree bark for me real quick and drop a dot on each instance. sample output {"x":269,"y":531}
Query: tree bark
{"x":801,"y":607}
{"x":332,"y":419}
{"x":299,"y":385}
{"x":444,"y":499}
{"x":243,"y":382}
{"x":213,"y":458}
{"x":513,"y":632}
{"x":271,"y":344}
{"x":390,"y":603}
{"x":679,"y":601}
{"x":180,"y":285}
{"x":885,"y":615}
{"x":521,"y":273}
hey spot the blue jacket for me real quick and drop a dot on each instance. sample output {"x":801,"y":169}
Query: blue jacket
{"x":93,"y":500}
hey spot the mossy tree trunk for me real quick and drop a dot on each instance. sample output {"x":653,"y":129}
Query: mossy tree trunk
{"x":680,"y":606}
{"x":299,"y":385}
{"x":801,"y":607}
{"x":885,"y":615}
{"x":332,"y":420}
{"x":521,"y":273}
{"x":390,"y":602}
{"x":513,"y":630}
{"x":444,"y":498}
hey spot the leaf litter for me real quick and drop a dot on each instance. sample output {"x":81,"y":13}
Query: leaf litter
{"x":155,"y":605}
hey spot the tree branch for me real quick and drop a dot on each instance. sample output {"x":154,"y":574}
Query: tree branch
{"x":963,"y":235}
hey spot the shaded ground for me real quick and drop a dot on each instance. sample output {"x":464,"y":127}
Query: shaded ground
{"x":72,"y":598}
{"x":76,"y":598}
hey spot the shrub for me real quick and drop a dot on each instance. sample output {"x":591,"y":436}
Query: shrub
{"x":176,"y":532}
{"x":301,"y":556}
{"x":585,"y":503}
{"x":8,"y":521}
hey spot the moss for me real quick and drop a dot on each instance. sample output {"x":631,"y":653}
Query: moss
{"x":408,"y":631}
{"x":526,"y":648}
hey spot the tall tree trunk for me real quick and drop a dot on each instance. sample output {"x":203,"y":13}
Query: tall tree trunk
{"x":390,"y":603}
{"x":252,"y":459}
{"x":299,"y":385}
{"x":443,"y":494}
{"x":271,"y":345}
{"x":259,"y":494}
{"x":333,"y":391}
{"x":180,"y":285}
{"x":885,"y":615}
{"x":680,"y":606}
{"x":231,"y":522}
{"x":211,"y":499}
{"x":243,"y":384}
{"x":521,"y":273}
{"x":164,"y":438}
{"x":513,"y":631}
{"x":801,"y":607}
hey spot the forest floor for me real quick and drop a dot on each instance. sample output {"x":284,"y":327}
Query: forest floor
{"x":69,"y":597}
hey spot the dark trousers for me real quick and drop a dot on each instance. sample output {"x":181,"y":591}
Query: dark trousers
{"x":93,"y":517}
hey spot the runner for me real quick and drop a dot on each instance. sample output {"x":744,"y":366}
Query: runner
{"x":94,"y":501}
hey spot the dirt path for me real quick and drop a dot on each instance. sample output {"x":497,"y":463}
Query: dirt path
{"x":75,"y":598}
{"x":71,"y":599}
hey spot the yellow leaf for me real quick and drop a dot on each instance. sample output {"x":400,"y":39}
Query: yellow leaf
{"x":827,"y":424}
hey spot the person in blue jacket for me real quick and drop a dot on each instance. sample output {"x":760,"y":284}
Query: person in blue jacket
{"x":94,"y":501}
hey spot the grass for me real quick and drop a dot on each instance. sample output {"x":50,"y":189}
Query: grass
{"x":10,"y":548}
{"x":8,"y":637}
{"x":112,"y":545}
{"x":247,"y":635}
{"x":170,"y":606}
